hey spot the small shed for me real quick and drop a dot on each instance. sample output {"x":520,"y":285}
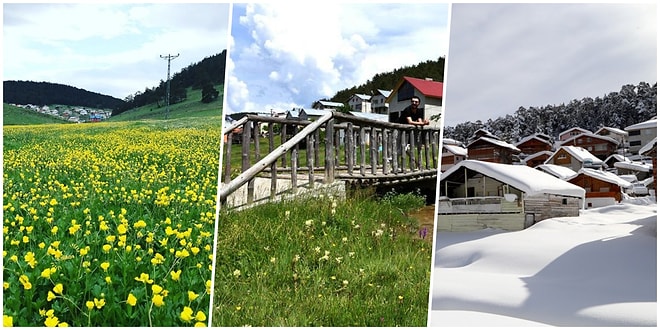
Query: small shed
{"x":476,"y":195}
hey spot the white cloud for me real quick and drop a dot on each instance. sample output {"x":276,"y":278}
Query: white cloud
{"x":295,"y":55}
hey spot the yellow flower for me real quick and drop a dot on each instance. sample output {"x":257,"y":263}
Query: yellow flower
{"x":156,"y":288}
{"x":200,"y":325}
{"x":131,"y":300}
{"x":192,"y":296}
{"x":51,"y":321}
{"x":46,"y":273}
{"x":99,"y":303}
{"x":105,"y":265}
{"x":176,"y":275}
{"x":158,"y":300}
{"x":7,"y":321}
{"x":144,"y":278}
{"x":186,"y":314}
{"x":106,"y":248}
{"x":121,"y":229}
{"x":200,"y":316}
{"x":208,"y":286}
{"x":30,"y":259}
{"x":25,"y":281}
{"x":51,"y":296}
{"x":5,"y":285}
{"x":90,"y":305}
{"x":58,"y":288}
{"x":108,"y":279}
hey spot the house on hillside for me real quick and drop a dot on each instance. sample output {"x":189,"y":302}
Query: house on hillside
{"x":536,"y":159}
{"x":602,"y":188}
{"x":476,"y":195}
{"x":640,"y":170}
{"x":487,"y":147}
{"x":574,"y":158}
{"x":572,"y":132}
{"x":608,"y":163}
{"x":453,"y":153}
{"x":598,"y":145}
{"x":379,"y":103}
{"x":360,"y":103}
{"x":327,"y":105}
{"x":641,"y":134}
{"x":428,"y":91}
{"x":618,"y":135}
{"x":534,"y":143}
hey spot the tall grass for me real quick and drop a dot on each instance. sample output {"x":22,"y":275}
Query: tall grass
{"x":323,"y":261}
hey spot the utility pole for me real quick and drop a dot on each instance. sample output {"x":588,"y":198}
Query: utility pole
{"x":169,"y":59}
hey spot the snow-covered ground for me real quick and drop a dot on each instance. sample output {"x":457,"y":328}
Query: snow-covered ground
{"x":598,"y":269}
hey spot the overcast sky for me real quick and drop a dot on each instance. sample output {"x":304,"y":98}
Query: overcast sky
{"x":504,"y":56}
{"x":285,"y":56}
{"x":111,"y":49}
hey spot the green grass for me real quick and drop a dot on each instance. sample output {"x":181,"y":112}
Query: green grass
{"x":12,"y":115}
{"x":323,"y":262}
{"x":191,"y":107}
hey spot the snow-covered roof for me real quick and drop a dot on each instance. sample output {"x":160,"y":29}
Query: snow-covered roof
{"x":363,"y":96}
{"x":561,"y":172}
{"x":529,"y":180}
{"x":384,"y":92}
{"x":611,"y":129}
{"x":456,"y":150}
{"x":446,"y":141}
{"x":648,"y":147}
{"x":581,"y":154}
{"x":537,"y":154}
{"x":617,"y":158}
{"x":635,"y":166}
{"x":603,"y":176}
{"x":575,"y":129}
{"x":496,"y":142}
{"x":316,"y":112}
{"x":591,"y":135}
{"x":331,"y":104}
{"x":533,"y":137}
{"x":651,"y":123}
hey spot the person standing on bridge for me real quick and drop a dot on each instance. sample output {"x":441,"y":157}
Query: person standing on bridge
{"x":413,"y":114}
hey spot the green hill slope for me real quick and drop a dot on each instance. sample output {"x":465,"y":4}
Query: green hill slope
{"x":191,"y":107}
{"x":12,"y":115}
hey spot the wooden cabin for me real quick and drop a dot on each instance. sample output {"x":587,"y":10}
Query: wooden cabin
{"x":476,"y":195}
{"x":602,"y":188}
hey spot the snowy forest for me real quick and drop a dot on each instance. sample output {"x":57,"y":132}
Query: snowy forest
{"x":631,"y":105}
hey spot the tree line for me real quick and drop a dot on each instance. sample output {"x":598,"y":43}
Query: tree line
{"x":434,"y":69}
{"x":45,"y":93}
{"x":631,"y":105}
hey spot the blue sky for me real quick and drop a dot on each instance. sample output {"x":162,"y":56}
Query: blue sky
{"x":284,"y":56}
{"x":505,"y":56}
{"x":112,"y":49}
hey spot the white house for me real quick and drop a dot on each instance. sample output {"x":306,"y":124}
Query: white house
{"x":360,"y":103}
{"x":379,"y":102}
{"x":428,"y":91}
{"x":641,"y":134}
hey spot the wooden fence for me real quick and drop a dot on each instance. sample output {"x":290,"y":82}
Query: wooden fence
{"x":336,"y":146}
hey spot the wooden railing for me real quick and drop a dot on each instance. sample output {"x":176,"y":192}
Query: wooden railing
{"x":334,"y":146}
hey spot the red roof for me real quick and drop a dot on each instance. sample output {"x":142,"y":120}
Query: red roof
{"x":427,"y":87}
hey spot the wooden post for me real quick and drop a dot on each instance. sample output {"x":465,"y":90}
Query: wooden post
{"x":329,"y":151}
{"x":273,"y":166}
{"x":310,"y":158}
{"x":246,"y":159}
{"x":294,"y":163}
{"x":227,"y":166}
{"x":349,"y":149}
{"x":363,"y":146}
{"x":373,"y":141}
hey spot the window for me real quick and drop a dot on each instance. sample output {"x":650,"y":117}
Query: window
{"x":634,"y":133}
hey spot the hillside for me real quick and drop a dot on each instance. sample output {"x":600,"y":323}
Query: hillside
{"x":45,"y":93}
{"x":12,"y":115}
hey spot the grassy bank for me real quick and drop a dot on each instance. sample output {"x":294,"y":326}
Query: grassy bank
{"x":324,"y":261}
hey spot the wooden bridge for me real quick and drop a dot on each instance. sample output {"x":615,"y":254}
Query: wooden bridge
{"x":285,"y":157}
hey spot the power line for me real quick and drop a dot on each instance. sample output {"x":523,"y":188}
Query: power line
{"x":169,"y":59}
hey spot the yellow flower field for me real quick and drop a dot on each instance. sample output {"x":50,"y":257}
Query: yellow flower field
{"x":109,"y":224}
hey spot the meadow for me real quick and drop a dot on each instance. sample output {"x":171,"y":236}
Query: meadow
{"x":109,"y":224}
{"x":323,"y":261}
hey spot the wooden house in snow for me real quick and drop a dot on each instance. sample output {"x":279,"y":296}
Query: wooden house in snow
{"x":453,"y":153}
{"x":574,"y":158}
{"x":534,"y":143}
{"x":571,"y":133}
{"x":536,"y":159}
{"x":489,"y":148}
{"x":602,"y":188}
{"x":600,"y":146}
{"x":561,"y":172}
{"x":476,"y":195}
{"x":650,"y":150}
